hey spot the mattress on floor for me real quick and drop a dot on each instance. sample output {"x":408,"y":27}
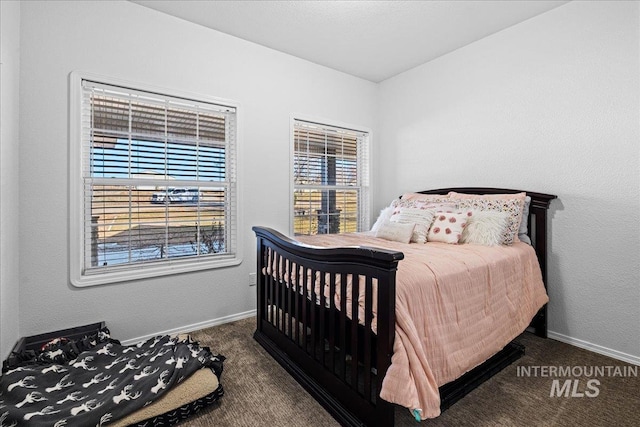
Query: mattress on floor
{"x":196,"y":392}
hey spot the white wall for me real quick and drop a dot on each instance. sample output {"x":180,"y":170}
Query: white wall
{"x":9,"y":148}
{"x":549,"y":105}
{"x":128,"y":41}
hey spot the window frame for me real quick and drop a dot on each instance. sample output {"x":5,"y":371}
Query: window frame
{"x":364,"y":206}
{"x":129,"y":272}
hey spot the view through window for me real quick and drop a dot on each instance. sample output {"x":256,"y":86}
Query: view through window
{"x":158,"y":177}
{"x":330,"y":173}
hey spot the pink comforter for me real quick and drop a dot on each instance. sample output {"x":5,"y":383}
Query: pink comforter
{"x":456,"y":306}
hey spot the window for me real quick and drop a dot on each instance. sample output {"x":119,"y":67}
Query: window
{"x":330,"y":179}
{"x":154,"y":190}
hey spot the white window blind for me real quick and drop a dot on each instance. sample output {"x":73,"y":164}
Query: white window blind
{"x":330,"y":179}
{"x":158,"y":179}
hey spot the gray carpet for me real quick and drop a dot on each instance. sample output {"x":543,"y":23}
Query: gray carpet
{"x":258,"y":392}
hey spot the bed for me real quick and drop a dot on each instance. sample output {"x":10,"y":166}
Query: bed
{"x":346,"y":351}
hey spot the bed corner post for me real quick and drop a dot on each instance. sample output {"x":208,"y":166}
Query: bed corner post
{"x":386,"y":336}
{"x":262,"y":284}
{"x":538,"y":212}
{"x":259,"y":282}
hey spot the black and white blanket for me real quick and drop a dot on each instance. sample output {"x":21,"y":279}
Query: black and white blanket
{"x":100,"y":384}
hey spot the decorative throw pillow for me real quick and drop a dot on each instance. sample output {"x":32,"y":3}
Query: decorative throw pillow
{"x":442,"y":206}
{"x":421,"y":218}
{"x":485,"y":228}
{"x":431,"y":198}
{"x":447,"y":227}
{"x":385,"y":215}
{"x":401,"y":203}
{"x":423,"y":204}
{"x":512,"y":204}
{"x":395,"y":231}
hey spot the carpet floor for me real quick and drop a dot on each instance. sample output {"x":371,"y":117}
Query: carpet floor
{"x":258,"y":392}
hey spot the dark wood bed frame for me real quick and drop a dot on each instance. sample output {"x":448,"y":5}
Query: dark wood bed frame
{"x":341,"y":362}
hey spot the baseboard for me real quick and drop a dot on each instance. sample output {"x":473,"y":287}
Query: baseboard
{"x":624,"y":357}
{"x":193,"y":327}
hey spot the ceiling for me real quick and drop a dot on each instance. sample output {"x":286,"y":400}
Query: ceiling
{"x":373,"y":40}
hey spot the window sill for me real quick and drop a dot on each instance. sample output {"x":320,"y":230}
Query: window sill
{"x":150,"y":271}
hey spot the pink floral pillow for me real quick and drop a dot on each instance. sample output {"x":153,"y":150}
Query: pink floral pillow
{"x":447,"y":227}
{"x":423,"y":204}
{"x":431,"y":198}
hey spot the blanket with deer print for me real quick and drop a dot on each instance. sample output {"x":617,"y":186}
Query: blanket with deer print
{"x":99,"y":385}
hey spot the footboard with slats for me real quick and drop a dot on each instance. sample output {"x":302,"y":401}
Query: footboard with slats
{"x":327,"y":343}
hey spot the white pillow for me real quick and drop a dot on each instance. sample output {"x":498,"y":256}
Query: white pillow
{"x":485,"y":228}
{"x":395,"y":231}
{"x":420,"y":217}
{"x":385,"y":215}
